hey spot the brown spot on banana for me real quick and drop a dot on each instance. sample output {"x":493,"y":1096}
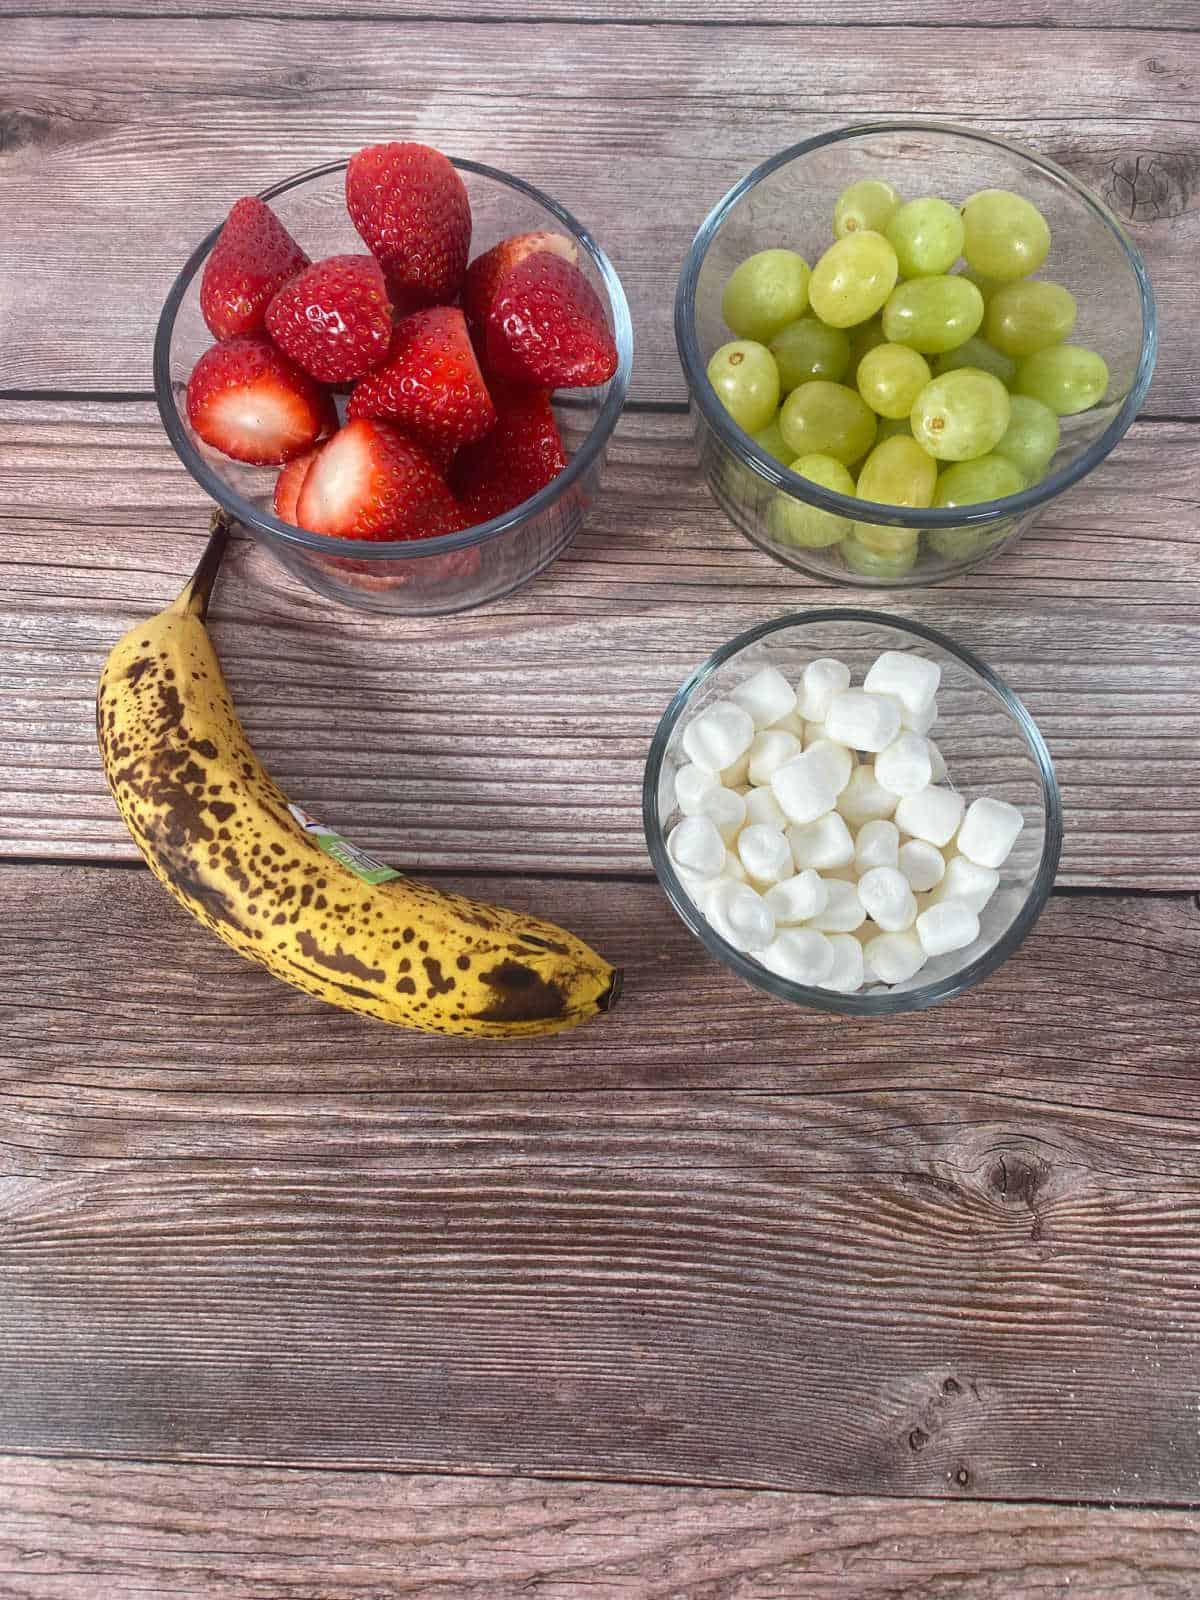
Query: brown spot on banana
{"x":340,"y":960}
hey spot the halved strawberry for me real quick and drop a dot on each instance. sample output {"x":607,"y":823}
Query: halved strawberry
{"x":547,"y":326}
{"x":431,"y":381}
{"x":246,"y":399}
{"x":411,"y":208}
{"x":370,"y":481}
{"x":254,"y":256}
{"x":522,"y":454}
{"x":288,"y":485}
{"x":334,"y":319}
{"x":486,"y":271}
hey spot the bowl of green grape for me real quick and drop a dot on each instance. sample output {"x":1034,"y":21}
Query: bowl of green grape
{"x":901,"y":341}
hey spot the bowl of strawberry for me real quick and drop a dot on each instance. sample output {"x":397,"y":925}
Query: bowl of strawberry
{"x":400,"y":373}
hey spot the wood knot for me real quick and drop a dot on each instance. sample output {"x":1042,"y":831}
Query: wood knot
{"x":962,"y":1478}
{"x":918,"y":1439}
{"x":1016,"y":1176}
{"x":1152,"y":186}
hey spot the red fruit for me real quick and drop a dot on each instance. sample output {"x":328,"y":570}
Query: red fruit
{"x":522,"y":454}
{"x":411,"y":208}
{"x":253,"y":257}
{"x":431,"y":381}
{"x":547,"y":326}
{"x":288,"y":485}
{"x":486,"y":271}
{"x":246,"y":399}
{"x":371,"y":482}
{"x":335,"y":319}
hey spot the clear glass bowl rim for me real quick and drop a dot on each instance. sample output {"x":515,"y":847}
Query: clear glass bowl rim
{"x":765,"y":466}
{"x":860,"y":1005}
{"x":397,"y":549}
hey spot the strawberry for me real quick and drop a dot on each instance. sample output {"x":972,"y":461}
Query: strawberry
{"x":411,"y":208}
{"x":547,"y":326}
{"x":372,"y":482}
{"x":253,"y":257}
{"x":334,"y":319}
{"x":288,"y":485}
{"x":246,"y":399}
{"x":431,"y":382}
{"x":486,"y":271}
{"x":522,"y":454}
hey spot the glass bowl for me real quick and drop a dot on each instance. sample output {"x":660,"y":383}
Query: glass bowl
{"x":991,"y":746}
{"x":788,"y":202}
{"x":411,"y":577}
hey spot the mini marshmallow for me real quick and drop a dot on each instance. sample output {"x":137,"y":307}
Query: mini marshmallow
{"x":913,"y":680}
{"x":864,"y":799}
{"x":692,"y":784}
{"x":916,"y":722}
{"x":733,"y":868}
{"x":967,"y":881}
{"x":740,"y":916}
{"x":762,"y":806}
{"x":737,"y":776}
{"x":697,"y":886}
{"x":887,"y":899}
{"x":933,"y":814}
{"x":801,"y":954}
{"x":843,"y":910}
{"x":765,"y":852}
{"x":904,"y":766}
{"x":718,"y":736}
{"x":696,"y":845}
{"x":861,"y":720}
{"x":823,"y":843}
{"x":812,"y":732}
{"x":792,"y":723}
{"x":770,"y":750}
{"x":798,"y":898}
{"x":893,"y":957}
{"x":937,"y":761}
{"x":821,"y":680}
{"x":727,"y":809}
{"x":808,"y":785}
{"x":922,"y":864}
{"x":877,"y":844}
{"x":988,"y":831}
{"x":766,"y":695}
{"x":950,"y":925}
{"x":846,"y":974}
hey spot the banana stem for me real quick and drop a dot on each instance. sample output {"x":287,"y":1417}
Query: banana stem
{"x":198,"y":592}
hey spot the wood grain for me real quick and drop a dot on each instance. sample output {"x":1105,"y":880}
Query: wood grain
{"x":534,"y":757}
{"x":77,"y":1530}
{"x":638,"y":129}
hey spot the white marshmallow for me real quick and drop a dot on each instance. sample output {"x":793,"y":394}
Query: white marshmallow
{"x":727,"y":809}
{"x":823,"y":843}
{"x":765,"y":852}
{"x":877,"y":844}
{"x":770,"y":750}
{"x":808,"y":785}
{"x":762,"y":806}
{"x":932,"y":814}
{"x":692,"y":784}
{"x":916,"y":722}
{"x":798,"y":898}
{"x":913,"y":680}
{"x":821,"y":680}
{"x":922,"y":864}
{"x":988,"y":832}
{"x":697,"y":886}
{"x":740,"y":916}
{"x":766,"y":695}
{"x":737,"y":775}
{"x":846,"y":974}
{"x":905,"y":766}
{"x":801,"y":954}
{"x":861,"y":720}
{"x":937,"y":761}
{"x":893,"y":957}
{"x":950,"y":925}
{"x":696,"y":845}
{"x":965,"y":880}
{"x":718,"y":736}
{"x":887,"y":899}
{"x":792,"y":723}
{"x":843,"y":910}
{"x":864,"y":799}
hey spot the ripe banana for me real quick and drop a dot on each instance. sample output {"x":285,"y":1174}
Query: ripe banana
{"x":282,"y":890}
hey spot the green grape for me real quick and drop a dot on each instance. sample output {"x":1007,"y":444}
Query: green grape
{"x":885,"y":541}
{"x":765,"y":293}
{"x":976,"y":352}
{"x":962,"y":415}
{"x":808,"y":349}
{"x":876,"y":564}
{"x":863,"y":338}
{"x":1067,"y":378}
{"x":891,"y":428}
{"x":852,"y":279}
{"x":933,"y":314}
{"x":746,"y":380}
{"x":1031,"y":437}
{"x":927,"y":236}
{"x":771,"y":440}
{"x":1005,"y":235}
{"x":962,"y":544}
{"x":864,"y":207}
{"x":1027,"y":316}
{"x":794,"y":522}
{"x":897,"y":473}
{"x":828,"y":419}
{"x":969,"y":483}
{"x":890,"y":377}
{"x":986,"y":286}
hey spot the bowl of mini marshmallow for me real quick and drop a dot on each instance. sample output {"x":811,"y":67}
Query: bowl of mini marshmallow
{"x":852,"y":812}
